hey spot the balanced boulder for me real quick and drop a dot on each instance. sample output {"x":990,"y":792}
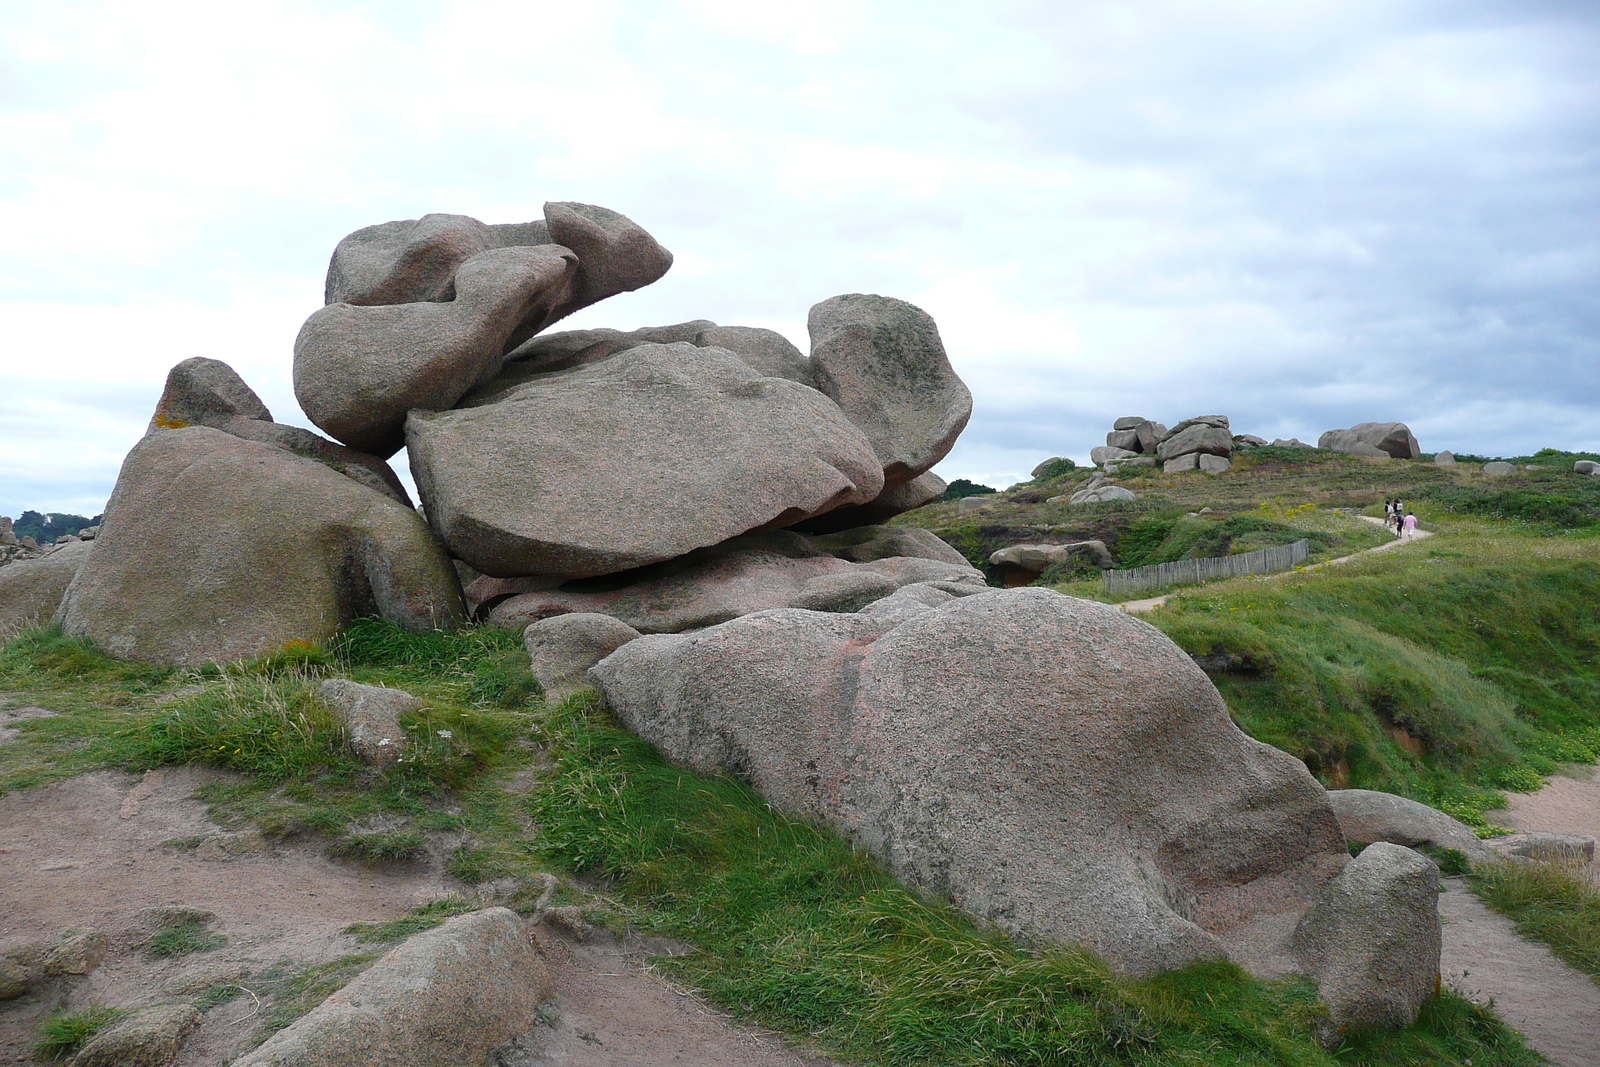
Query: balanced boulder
{"x":642,"y":457}
{"x":359,"y":368}
{"x":208,"y":392}
{"x":215,"y":549}
{"x":1097,"y":793}
{"x":416,"y":260}
{"x":1392,"y":439}
{"x":882,"y":362}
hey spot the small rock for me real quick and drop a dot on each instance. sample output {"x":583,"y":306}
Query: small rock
{"x":843,"y":592}
{"x":1100,"y":454}
{"x":1213,"y":464}
{"x":1550,"y":848}
{"x":1371,"y":943}
{"x":79,"y":952}
{"x":1586,"y":466}
{"x":973,"y":503}
{"x":15,"y":981}
{"x":1103,"y":493}
{"x":563,"y":648}
{"x":443,"y":998}
{"x":1498,"y":469}
{"x":1445,"y":458}
{"x":149,"y":1038}
{"x":371,"y":715}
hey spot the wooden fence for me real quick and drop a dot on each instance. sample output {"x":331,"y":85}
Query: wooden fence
{"x":1194,"y":571}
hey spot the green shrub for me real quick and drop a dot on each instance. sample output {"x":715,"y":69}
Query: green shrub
{"x":961,"y":487}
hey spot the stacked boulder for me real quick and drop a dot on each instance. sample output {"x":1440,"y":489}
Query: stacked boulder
{"x":694,"y":471}
{"x":1385,"y":440}
{"x":1201,"y":443}
{"x":1131,"y":438}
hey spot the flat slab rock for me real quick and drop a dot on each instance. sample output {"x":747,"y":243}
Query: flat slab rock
{"x":654,"y":452}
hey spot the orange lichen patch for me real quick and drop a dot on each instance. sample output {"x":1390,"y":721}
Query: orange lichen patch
{"x":170,"y":424}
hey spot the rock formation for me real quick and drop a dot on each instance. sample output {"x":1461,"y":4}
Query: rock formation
{"x":1388,"y":439}
{"x":216,"y":548}
{"x":1098,"y":794}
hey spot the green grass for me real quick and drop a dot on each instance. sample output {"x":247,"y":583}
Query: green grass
{"x":1445,"y":672}
{"x":798,"y":931}
{"x":793,"y":928}
{"x":181,"y":939}
{"x":1550,"y":902}
{"x":426,"y":917}
{"x":63,"y":1035}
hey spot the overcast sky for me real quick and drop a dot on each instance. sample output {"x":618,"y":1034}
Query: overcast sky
{"x":1299,"y":215}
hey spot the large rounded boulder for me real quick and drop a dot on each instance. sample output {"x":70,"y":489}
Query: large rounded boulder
{"x":216,"y":548}
{"x":881,"y":360}
{"x":642,"y":457}
{"x":1058,"y":769}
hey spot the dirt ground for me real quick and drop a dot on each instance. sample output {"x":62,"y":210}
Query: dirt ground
{"x":1554,"y":1005}
{"x":92,"y":853}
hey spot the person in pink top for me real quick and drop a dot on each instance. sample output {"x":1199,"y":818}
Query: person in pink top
{"x":1411,"y":524}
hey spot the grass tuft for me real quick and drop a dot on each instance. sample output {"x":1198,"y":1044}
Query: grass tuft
{"x":182,"y":939}
{"x":426,"y":917}
{"x":64,"y":1035}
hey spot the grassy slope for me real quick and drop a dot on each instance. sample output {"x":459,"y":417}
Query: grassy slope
{"x":1444,"y":671}
{"x":795,"y":929}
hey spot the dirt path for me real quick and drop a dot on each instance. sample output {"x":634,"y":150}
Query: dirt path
{"x":613,"y":1009}
{"x":1137,"y":607}
{"x":90,"y":853}
{"x":1555,"y":1007}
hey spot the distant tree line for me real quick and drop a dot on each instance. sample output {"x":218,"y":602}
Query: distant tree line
{"x":962,"y":487}
{"x":46,"y":528}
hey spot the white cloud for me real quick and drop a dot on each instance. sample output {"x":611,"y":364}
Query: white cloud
{"x":1300,"y":215}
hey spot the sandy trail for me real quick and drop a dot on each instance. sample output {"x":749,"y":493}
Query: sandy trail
{"x":1137,"y":607}
{"x":90,"y":853}
{"x":1555,"y":1007}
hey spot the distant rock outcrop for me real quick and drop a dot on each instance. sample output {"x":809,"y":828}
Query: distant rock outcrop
{"x":1392,"y":440}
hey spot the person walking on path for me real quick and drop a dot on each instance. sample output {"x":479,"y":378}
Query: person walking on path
{"x":1410,"y":525}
